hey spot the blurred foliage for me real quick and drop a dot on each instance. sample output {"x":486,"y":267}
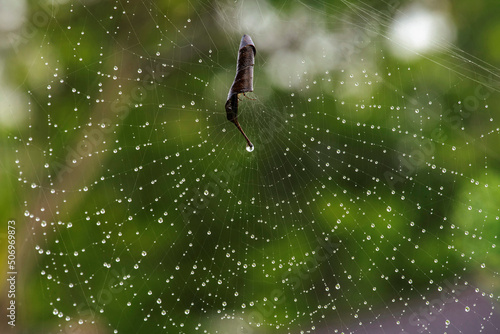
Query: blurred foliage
{"x":132,"y":41}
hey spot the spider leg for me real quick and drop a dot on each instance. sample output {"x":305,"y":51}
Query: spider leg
{"x":248,"y":97}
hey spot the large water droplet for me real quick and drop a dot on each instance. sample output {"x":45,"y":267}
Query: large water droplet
{"x":250,"y":148}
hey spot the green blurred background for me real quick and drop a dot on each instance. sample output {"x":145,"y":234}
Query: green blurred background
{"x":143,"y":85}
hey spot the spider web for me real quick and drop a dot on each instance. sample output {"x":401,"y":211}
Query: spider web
{"x":369,"y":202}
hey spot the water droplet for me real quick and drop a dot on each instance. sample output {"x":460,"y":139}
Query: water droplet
{"x":250,"y":148}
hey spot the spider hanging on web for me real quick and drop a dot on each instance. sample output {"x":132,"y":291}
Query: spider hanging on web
{"x":243,"y":83}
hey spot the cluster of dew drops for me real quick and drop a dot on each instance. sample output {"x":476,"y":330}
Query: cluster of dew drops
{"x":328,"y":157}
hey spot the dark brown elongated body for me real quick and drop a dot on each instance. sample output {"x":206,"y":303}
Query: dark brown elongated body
{"x":243,"y":81}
